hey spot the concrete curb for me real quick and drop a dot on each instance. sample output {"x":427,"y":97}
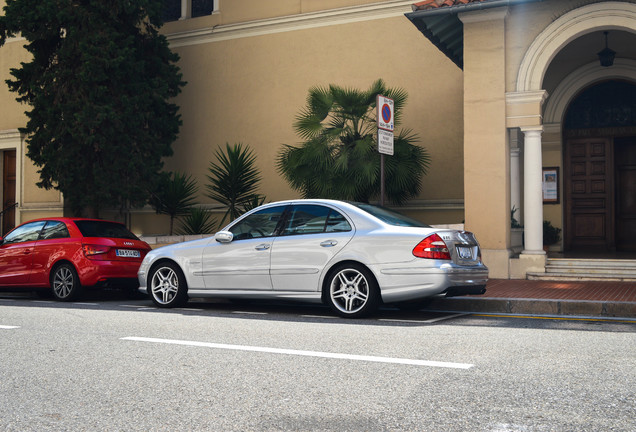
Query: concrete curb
{"x":535,"y":307}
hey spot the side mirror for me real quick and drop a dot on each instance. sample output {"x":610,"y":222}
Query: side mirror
{"x":224,"y":237}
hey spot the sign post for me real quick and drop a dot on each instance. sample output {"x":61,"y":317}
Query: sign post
{"x":385,"y":120}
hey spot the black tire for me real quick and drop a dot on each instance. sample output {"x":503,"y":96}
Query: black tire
{"x":167,"y":286}
{"x":65,"y":283}
{"x":351,"y":291}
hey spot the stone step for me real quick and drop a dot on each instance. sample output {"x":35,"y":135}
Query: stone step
{"x":568,"y":269}
{"x":581,"y":277}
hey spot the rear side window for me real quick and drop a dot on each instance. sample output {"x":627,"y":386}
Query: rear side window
{"x":313,"y":219}
{"x":93,"y":228}
{"x":54,"y":230}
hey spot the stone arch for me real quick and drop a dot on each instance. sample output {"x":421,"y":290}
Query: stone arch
{"x":589,"y":74}
{"x":614,"y":15}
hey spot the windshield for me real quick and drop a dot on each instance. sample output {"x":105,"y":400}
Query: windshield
{"x":389,"y":216}
{"x":94,"y":228}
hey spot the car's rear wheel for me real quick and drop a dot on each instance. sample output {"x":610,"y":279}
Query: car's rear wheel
{"x":352,"y":291}
{"x":168,"y":287}
{"x":65,"y":283}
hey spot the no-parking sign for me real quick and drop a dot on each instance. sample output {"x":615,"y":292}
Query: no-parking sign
{"x":385,"y":113}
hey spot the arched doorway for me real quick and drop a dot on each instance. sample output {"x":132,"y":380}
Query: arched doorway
{"x":600,"y":169}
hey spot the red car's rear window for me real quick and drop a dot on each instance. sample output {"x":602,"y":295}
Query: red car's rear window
{"x":92,"y":228}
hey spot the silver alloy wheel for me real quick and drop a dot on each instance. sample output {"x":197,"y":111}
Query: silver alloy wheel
{"x":164,"y":285}
{"x":63,"y":282}
{"x":349,"y":291}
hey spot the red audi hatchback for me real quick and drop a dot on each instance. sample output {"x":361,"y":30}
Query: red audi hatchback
{"x":66,"y":255}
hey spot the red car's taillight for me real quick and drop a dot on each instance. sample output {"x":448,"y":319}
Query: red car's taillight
{"x":93,"y":251}
{"x":432,"y":247}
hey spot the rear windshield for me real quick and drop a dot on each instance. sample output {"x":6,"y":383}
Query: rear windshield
{"x":389,"y":216}
{"x":92,"y":228}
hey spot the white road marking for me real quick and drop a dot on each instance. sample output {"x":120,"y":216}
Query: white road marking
{"x":249,"y":313}
{"x":85,"y":304}
{"x":6,"y":327}
{"x":405,"y":361}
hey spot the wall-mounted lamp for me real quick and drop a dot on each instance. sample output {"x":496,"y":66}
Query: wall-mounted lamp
{"x":606,"y":55}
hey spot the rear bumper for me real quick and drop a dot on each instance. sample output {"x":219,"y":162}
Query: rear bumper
{"x":101,"y":274}
{"x":447,"y":279}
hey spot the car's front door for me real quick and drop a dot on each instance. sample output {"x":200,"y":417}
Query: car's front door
{"x":243,"y":264}
{"x":311,"y":236}
{"x":16,"y":254}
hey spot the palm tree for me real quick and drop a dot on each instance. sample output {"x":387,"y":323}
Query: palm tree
{"x":175,"y":196}
{"x":234,"y":180}
{"x":339,"y":159}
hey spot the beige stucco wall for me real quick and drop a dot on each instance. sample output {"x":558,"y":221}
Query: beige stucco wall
{"x":32,"y":201}
{"x":487,"y":187}
{"x":249,"y":89}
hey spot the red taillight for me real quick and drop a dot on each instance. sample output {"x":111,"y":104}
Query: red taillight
{"x":432,"y":247}
{"x":92,"y":251}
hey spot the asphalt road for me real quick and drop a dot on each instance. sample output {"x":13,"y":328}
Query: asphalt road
{"x":113,"y":364}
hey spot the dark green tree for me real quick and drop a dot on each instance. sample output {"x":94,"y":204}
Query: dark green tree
{"x":98,"y":85}
{"x":234,"y":180}
{"x":339,"y":157}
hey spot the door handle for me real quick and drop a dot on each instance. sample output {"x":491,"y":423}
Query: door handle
{"x":26,"y":251}
{"x":262,"y":247}
{"x":329,"y":243}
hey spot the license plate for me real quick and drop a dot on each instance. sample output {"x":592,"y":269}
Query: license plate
{"x":465,"y":252}
{"x":127,"y":253}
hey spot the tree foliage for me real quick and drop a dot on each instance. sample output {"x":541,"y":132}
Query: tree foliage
{"x":175,"y":196}
{"x":234,"y":180}
{"x":98,"y":86}
{"x":339,"y":158}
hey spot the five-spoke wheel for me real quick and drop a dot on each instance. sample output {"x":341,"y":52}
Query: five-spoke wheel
{"x":352,"y":291}
{"x":168,"y":287}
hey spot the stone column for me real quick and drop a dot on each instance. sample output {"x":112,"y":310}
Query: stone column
{"x":532,"y":190}
{"x":186,"y":7}
{"x":515,"y":173}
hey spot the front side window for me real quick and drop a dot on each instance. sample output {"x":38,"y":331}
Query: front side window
{"x":24,"y":233}
{"x":260,"y":224}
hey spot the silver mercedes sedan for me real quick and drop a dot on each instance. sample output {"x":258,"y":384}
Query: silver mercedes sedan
{"x":350,"y":256}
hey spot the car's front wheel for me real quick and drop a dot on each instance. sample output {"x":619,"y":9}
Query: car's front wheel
{"x":65,"y":283}
{"x":167,"y":286}
{"x":352,"y":291}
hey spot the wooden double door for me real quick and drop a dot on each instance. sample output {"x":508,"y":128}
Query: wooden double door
{"x":600,"y":194}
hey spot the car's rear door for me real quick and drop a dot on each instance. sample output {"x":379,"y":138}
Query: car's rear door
{"x":16,"y":254}
{"x":311,"y":236}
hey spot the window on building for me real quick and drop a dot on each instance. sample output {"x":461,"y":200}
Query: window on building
{"x":174,"y":10}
